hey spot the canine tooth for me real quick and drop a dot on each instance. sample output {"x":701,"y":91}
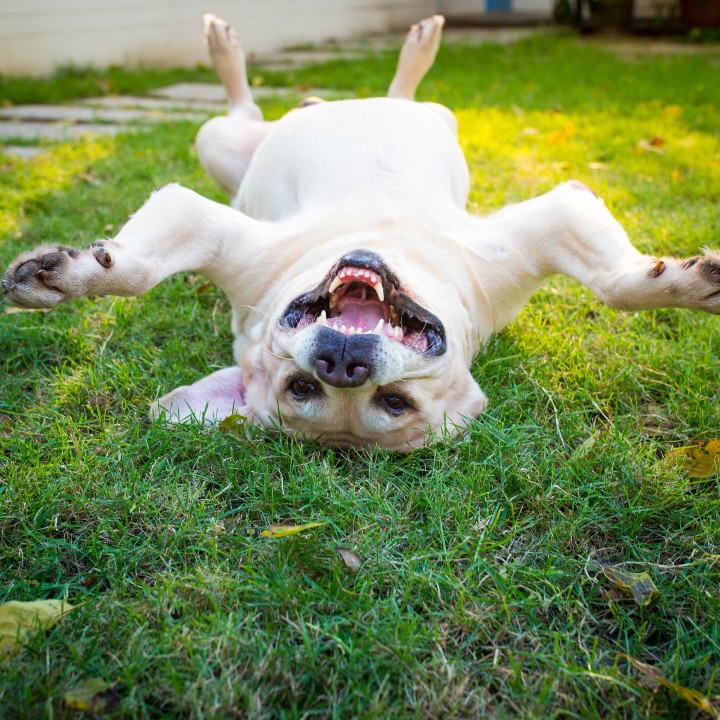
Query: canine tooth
{"x":323,"y":318}
{"x":335,"y":284}
{"x":333,"y":301}
{"x":378,"y":288}
{"x":379,"y":327}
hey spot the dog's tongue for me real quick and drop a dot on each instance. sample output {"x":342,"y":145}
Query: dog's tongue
{"x":363,"y":314}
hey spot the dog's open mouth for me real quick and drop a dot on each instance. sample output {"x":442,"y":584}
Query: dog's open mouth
{"x":361,"y":295}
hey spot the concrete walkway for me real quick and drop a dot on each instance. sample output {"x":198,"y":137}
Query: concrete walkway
{"x":26,"y":130}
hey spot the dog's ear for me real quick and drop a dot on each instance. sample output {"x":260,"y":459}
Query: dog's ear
{"x":468,"y":402}
{"x":208,"y":400}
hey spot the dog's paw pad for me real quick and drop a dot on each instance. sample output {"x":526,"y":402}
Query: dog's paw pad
{"x":104,"y":257}
{"x":32,"y":281}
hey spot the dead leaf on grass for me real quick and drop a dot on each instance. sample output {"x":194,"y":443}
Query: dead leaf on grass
{"x":653,"y":145}
{"x":13,"y":310}
{"x":350,"y":558}
{"x":638,"y":585}
{"x":692,"y":696}
{"x":700,"y":461}
{"x":93,"y":695}
{"x":281,"y":531}
{"x":234,"y":424}
{"x":18,"y":619}
{"x":561,"y":136}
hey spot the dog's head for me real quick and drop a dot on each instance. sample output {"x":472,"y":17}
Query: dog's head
{"x":362,"y":359}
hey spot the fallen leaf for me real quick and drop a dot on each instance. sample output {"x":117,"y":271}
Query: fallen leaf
{"x":639,"y":585}
{"x":13,"y":310}
{"x":350,"y":558}
{"x":17,"y":619}
{"x":280,"y":531}
{"x":93,"y":695}
{"x":654,"y":145}
{"x":701,"y":460}
{"x":692,"y":696}
{"x":560,"y":137}
{"x":235,"y":424}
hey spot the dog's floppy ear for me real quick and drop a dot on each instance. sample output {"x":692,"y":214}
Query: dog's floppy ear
{"x":208,"y":400}
{"x":468,"y":402}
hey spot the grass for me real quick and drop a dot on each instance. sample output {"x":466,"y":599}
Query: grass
{"x":481,"y":592}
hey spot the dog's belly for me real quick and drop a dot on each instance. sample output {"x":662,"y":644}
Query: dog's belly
{"x":397,"y":152}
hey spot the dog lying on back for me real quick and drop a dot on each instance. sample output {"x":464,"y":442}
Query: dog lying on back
{"x":361,"y":289}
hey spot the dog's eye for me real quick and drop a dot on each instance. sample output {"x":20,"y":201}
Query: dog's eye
{"x":300,"y":388}
{"x":395,"y":404}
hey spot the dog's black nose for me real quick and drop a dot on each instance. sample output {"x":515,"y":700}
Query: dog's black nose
{"x":344,"y":362}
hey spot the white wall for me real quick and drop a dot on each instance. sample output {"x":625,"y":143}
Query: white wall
{"x":38,"y":35}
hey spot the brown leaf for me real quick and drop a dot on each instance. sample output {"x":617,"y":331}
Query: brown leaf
{"x":639,"y":585}
{"x":692,"y":696}
{"x":350,"y":558}
{"x":701,"y":460}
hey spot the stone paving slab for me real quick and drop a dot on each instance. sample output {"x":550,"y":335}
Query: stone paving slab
{"x":165,"y":105}
{"x":214,"y":93}
{"x":22,"y":152}
{"x":58,"y":131}
{"x":83,"y":114}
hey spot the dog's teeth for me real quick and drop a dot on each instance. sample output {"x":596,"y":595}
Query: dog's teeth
{"x":322,"y":319}
{"x":335,"y":284}
{"x":378,"y":288}
{"x":379,"y":327}
{"x":351,"y":331}
{"x":333,"y":302}
{"x":343,"y":329}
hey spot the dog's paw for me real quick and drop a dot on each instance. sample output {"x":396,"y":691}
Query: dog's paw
{"x":50,"y":274}
{"x":703,"y":275}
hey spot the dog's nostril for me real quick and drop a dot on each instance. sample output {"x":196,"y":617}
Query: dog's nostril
{"x":324,"y":366}
{"x":357,"y":373}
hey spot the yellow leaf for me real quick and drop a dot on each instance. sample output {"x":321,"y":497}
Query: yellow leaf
{"x":676,"y":176}
{"x":701,"y":460}
{"x":93,"y":695}
{"x":17,"y":619}
{"x":560,"y":137}
{"x":692,"y":696}
{"x":280,"y":531}
{"x":639,"y":585}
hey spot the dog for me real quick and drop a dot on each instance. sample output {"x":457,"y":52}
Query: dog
{"x":360,"y":287}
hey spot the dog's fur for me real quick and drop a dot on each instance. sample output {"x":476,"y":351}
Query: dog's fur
{"x":371,"y":192}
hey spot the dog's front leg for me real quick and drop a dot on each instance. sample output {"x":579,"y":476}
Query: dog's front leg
{"x":570,"y":231}
{"x":175,"y":230}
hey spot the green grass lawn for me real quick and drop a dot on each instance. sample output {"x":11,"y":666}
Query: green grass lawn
{"x":481,"y":592}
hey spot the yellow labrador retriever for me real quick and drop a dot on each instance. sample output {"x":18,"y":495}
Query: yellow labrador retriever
{"x":360,"y":286}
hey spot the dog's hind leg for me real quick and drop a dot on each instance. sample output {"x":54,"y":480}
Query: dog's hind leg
{"x":416,"y":57}
{"x":226,"y":144}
